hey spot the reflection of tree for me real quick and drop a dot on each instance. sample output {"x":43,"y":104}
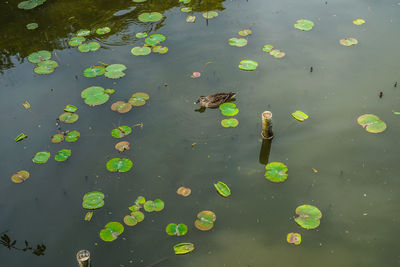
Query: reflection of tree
{"x":11,"y":244}
{"x":58,"y":20}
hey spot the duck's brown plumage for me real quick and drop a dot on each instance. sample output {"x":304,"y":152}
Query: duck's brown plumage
{"x":215,"y":100}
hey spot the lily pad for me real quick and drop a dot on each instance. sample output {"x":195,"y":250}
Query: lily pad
{"x":72,"y":136}
{"x":245,"y":32}
{"x":210,"y":14}
{"x":50,"y":64}
{"x":186,"y":9}
{"x":248,"y":65}
{"x":205,"y":220}
{"x":26,"y":105}
{"x":139,"y":202}
{"x":93,"y":200}
{"x":160,"y":49}
{"x":119,"y":165}
{"x":115,"y":71}
{"x":308,"y":216}
{"x":95,"y":95}
{"x":293,"y":238}
{"x":183,"y":191}
{"x":239,"y":42}
{"x":150,"y":17}
{"x":134,"y":218}
{"x":277,"y":53}
{"x":121,"y":131}
{"x":94,"y":71}
{"x":141,"y":35}
{"x":83,"y":32}
{"x":371,"y":123}
{"x":111,"y":231}
{"x":70,"y":108}
{"x":267,"y":48}
{"x":222,"y":189}
{"x":122,"y":146}
{"x":358,"y":22}
{"x":121,"y":107}
{"x":156,"y":205}
{"x":20,"y":137}
{"x":140,"y":50}
{"x":68,"y":117}
{"x":30,"y":4}
{"x":63,"y":155}
{"x":92,"y":46}
{"x":232,"y":122}
{"x":176,"y":229}
{"x":228,"y":109}
{"x":184,"y":1}
{"x":88,"y":216}
{"x":77,"y":40}
{"x":139,"y":99}
{"x":20,"y":176}
{"x":32,"y":26}
{"x":155,"y":39}
{"x":57,"y":138}
{"x":348,"y":41}
{"x":103,"y":30}
{"x":191,"y":19}
{"x":41,"y":157}
{"x":183,"y":248}
{"x":139,"y":1}
{"x":276,"y":172}
{"x":42,"y":55}
{"x":304,"y":24}
{"x":300,"y":115}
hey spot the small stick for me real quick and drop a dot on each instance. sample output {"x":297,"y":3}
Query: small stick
{"x":395,"y":84}
{"x":83,"y":258}
{"x":311,"y":69}
{"x":267,"y":132}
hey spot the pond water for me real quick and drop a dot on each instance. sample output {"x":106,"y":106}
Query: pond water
{"x":356,"y":187}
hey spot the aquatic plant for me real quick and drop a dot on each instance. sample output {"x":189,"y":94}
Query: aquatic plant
{"x":222,"y":189}
{"x":308,"y":216}
{"x":205,"y":220}
{"x":93,"y":200}
{"x":111,"y":231}
{"x":276,"y":172}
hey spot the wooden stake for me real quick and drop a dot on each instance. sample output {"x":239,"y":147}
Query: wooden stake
{"x":267,"y":132}
{"x":83,"y":258}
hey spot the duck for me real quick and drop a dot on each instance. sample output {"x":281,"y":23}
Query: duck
{"x":214,"y":100}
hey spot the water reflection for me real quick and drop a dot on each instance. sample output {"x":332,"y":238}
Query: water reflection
{"x":12,"y":244}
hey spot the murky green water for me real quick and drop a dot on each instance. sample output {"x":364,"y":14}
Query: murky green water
{"x":357,"y":185}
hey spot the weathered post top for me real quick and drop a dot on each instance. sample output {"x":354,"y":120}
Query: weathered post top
{"x":267,"y":132}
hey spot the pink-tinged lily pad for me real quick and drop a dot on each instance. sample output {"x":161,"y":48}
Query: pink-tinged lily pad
{"x":121,"y":107}
{"x":293,"y":238}
{"x":122,"y":146}
{"x":196,"y":74}
{"x":20,"y":176}
{"x":371,"y":123}
{"x":205,"y":220}
{"x":183,"y":191}
{"x":348,"y":41}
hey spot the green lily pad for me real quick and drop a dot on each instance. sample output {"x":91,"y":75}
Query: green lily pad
{"x":210,"y":14}
{"x":26,"y":105}
{"x":155,"y":39}
{"x":183,"y":248}
{"x":121,"y":107}
{"x":277,"y":53}
{"x":205,"y":220}
{"x":68,"y":117}
{"x":95,"y":95}
{"x":239,"y":42}
{"x":300,"y":115}
{"x":42,"y":55}
{"x":232,"y":122}
{"x":267,"y":48}
{"x":63,"y":155}
{"x":304,"y":24}
{"x":72,"y":136}
{"x":139,"y":99}
{"x":139,"y":1}
{"x":186,"y":9}
{"x":160,"y":49}
{"x":276,"y":172}
{"x":115,"y":71}
{"x":51,"y":64}
{"x":70,"y":108}
{"x":77,"y":40}
{"x":371,"y":123}
{"x":176,"y":229}
{"x":111,"y":231}
{"x":83,"y":32}
{"x":93,"y":200}
{"x":141,"y":35}
{"x":191,"y":19}
{"x":248,"y":65}
{"x":308,"y":216}
{"x":20,"y":137}
{"x":228,"y":109}
{"x":92,"y":46}
{"x":245,"y":32}
{"x":156,"y":205}
{"x":139,"y":202}
{"x":57,"y":138}
{"x":41,"y":157}
{"x":32,"y":26}
{"x":141,"y":50}
{"x":88,"y":216}
{"x":293,"y":238}
{"x":184,"y":1}
{"x":119,"y":165}
{"x":348,"y":41}
{"x":150,"y":17}
{"x":94,"y":71}
{"x":103,"y":30}
{"x":134,"y":218}
{"x":222,"y":189}
{"x":358,"y":22}
{"x":20,"y":176}
{"x":30,"y":4}
{"x":121,"y":131}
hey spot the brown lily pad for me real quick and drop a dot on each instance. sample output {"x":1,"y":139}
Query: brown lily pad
{"x":121,"y":107}
{"x":122,"y":146}
{"x":183,"y":191}
{"x":20,"y":176}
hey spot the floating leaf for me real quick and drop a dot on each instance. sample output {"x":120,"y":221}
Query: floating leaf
{"x":358,"y":22}
{"x":139,"y":1}
{"x":32,"y":26}
{"x":63,"y":155}
{"x":228,"y":109}
{"x":156,"y":205}
{"x":191,"y":19}
{"x":83,"y":32}
{"x":141,"y":35}
{"x":277,"y":53}
{"x":205,"y":220}
{"x":57,"y":138}
{"x":184,"y":1}
{"x":121,"y":131}
{"x":49,"y":64}
{"x":95,"y":95}
{"x":20,"y":176}
{"x":72,"y":136}
{"x":30,"y":4}
{"x":245,"y":32}
{"x":139,"y":202}
{"x":176,"y":229}
{"x":140,"y":50}
{"x":20,"y":137}
{"x":183,"y":248}
{"x":77,"y":40}
{"x":139,"y":99}
{"x":119,"y":165}
{"x":304,"y":24}
{"x":121,"y":107}
{"x":222,"y":189}
{"x":70,"y":108}
{"x":42,"y":55}
{"x":300,"y":115}
{"x":293,"y":238}
{"x":115,"y":71}
{"x":26,"y":105}
{"x":371,"y":123}
{"x":348,"y":41}
{"x":94,"y":71}
{"x":195,"y":74}
{"x":160,"y":49}
{"x":186,"y":9}
{"x":210,"y":14}
{"x":92,"y":46}
{"x":183,"y":191}
{"x":41,"y":157}
{"x":68,"y":117}
{"x":93,"y":200}
{"x":308,"y":216}
{"x":248,"y":65}
{"x":267,"y":48}
{"x":232,"y":122}
{"x":103,"y":30}
{"x":88,"y":216}
{"x":276,"y":172}
{"x":122,"y":146}
{"x":111,"y":231}
{"x":150,"y":17}
{"x":155,"y":39}
{"x":134,"y":218}
{"x":239,"y":42}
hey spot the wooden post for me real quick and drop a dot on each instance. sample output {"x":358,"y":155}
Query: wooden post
{"x":267,"y":132}
{"x":83,"y":258}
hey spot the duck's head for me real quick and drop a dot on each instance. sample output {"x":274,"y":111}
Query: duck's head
{"x":200,"y":99}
